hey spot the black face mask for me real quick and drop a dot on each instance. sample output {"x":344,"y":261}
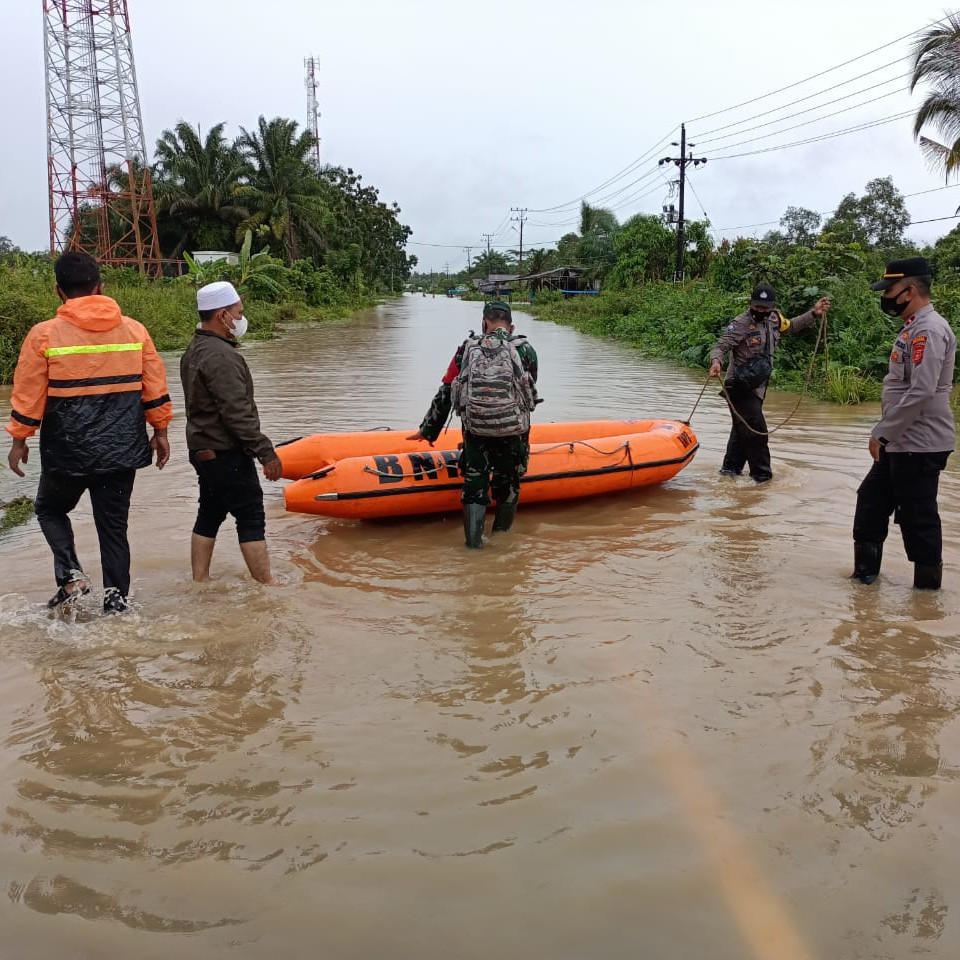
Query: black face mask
{"x":891,"y":307}
{"x":761,"y":316}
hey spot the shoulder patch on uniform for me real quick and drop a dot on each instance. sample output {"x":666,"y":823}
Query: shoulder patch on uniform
{"x":784,"y":322}
{"x":918,"y":344}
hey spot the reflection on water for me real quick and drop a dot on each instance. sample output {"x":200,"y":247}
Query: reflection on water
{"x":662,"y":722}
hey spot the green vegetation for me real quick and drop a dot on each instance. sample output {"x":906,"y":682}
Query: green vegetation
{"x":16,"y":512}
{"x":640,"y":303}
{"x":168,"y":307}
{"x":310,"y":243}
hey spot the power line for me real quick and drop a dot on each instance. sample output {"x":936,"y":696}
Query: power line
{"x":617,"y":176}
{"x":814,"y":76}
{"x":800,"y":113}
{"x":827,"y":136}
{"x":809,"y":96}
{"x":827,"y":213}
{"x":703,"y":210}
{"x":742,"y":226}
{"x":639,"y":160}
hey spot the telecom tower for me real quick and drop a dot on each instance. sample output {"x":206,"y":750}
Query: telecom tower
{"x":101,"y":199}
{"x":313,"y":108}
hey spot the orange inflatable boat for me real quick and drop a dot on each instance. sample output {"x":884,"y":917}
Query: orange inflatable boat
{"x":309,"y":454}
{"x":427,"y":480}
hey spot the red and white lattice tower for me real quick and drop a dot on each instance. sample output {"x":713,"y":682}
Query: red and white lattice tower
{"x":101,"y":199}
{"x":313,"y":108}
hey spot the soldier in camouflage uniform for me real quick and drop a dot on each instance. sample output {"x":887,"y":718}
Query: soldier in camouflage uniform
{"x":486,"y":462}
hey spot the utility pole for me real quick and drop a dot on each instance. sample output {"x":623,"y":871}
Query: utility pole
{"x":488,"y":237}
{"x":468,"y":251}
{"x":521,"y":216}
{"x":682,"y":162}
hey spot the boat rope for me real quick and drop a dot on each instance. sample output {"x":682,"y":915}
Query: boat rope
{"x":427,"y":471}
{"x":821,"y":335}
{"x":582,"y":443}
{"x":434,"y":471}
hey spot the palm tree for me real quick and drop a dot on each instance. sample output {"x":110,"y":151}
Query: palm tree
{"x":596,"y":220}
{"x":195,"y":182}
{"x":280,"y":190}
{"x":936,"y":62}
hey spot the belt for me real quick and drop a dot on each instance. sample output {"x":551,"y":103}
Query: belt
{"x":203,"y":455}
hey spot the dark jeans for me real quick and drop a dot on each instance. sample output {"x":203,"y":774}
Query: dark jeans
{"x":229,"y":484}
{"x":745,"y":446}
{"x":495,"y":463}
{"x":905,"y":485}
{"x":110,"y":494}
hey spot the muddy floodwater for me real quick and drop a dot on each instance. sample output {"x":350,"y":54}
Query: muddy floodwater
{"x":655,"y":725}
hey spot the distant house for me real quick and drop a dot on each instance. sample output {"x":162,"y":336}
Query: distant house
{"x":497,"y":284}
{"x":568,"y":280}
{"x":212,"y":256}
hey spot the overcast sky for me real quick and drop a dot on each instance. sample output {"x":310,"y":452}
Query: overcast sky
{"x":459,"y":111}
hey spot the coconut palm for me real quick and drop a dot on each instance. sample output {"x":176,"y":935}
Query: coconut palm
{"x":936,"y":63}
{"x":196,"y":177}
{"x":280,"y":190}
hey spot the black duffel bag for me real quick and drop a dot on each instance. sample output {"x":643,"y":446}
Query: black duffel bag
{"x":754,"y":372}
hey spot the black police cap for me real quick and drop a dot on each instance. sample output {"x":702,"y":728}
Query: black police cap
{"x":901,"y":269}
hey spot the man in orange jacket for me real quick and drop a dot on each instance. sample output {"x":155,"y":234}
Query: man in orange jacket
{"x":91,"y":380}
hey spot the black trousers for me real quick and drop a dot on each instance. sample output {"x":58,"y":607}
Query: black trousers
{"x":904,"y":485}
{"x":229,"y":484}
{"x":745,"y":446}
{"x":110,"y":495}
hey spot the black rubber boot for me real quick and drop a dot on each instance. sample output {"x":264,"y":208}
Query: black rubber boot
{"x":503,"y":518}
{"x":866,"y":561}
{"x":927,"y":577}
{"x":474,"y":515}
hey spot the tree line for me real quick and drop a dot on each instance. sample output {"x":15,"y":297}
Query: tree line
{"x":212,"y":192}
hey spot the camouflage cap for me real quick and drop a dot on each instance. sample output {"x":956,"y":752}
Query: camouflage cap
{"x":497,"y":305}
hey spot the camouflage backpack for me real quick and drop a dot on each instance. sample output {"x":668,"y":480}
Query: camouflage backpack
{"x":493,"y":394}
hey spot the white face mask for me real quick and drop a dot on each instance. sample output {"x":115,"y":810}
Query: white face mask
{"x":239,"y":327}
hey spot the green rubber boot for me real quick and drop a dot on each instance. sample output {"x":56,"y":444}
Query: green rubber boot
{"x":474,"y":515}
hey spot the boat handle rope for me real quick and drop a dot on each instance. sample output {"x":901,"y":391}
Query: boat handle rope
{"x":583,"y":443}
{"x":428,"y":471}
{"x":821,"y":335}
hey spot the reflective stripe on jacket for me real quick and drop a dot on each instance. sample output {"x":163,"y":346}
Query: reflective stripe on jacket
{"x":91,"y":380}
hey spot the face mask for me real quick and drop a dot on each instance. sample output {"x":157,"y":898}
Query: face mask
{"x":239,"y":327}
{"x":761,"y":316}
{"x":891,"y":307}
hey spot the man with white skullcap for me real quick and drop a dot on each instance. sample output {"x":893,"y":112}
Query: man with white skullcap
{"x":223,"y":434}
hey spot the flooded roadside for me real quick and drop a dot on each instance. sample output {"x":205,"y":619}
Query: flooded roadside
{"x":662,"y":724}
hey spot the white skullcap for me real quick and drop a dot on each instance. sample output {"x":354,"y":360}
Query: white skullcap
{"x":216,"y":295}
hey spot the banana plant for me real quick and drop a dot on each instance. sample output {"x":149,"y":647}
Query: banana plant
{"x":259,"y":272}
